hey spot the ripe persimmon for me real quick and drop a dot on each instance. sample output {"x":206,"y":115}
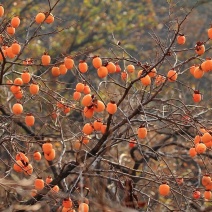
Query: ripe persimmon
{"x":142,"y":132}
{"x":164,"y":189}
{"x":39,"y":184}
{"x":17,"y":108}
{"x":55,"y":189}
{"x":83,"y":66}
{"x":99,"y":106}
{"x":132,"y":143}
{"x":15,"y":22}
{"x":47,"y":147}
{"x":49,"y":179}
{"x":29,"y":120}
{"x":130,"y":68}
{"x":69,"y":62}
{"x":45,"y":59}
{"x":18,"y":81}
{"x":16,"y":48}
{"x":159,"y":80}
{"x":196,"y":194}
{"x":88,"y":112}
{"x":15,"y":89}
{"x":37,"y":156}
{"x":111,"y":67}
{"x":85,"y":139}
{"x":60,"y":105}
{"x":34,"y":88}
{"x":21,"y":156}
{"x":124,"y":75}
{"x":1,"y":10}
{"x":146,"y":80}
{"x":49,"y":19}
{"x":18,"y":166}
{"x":192,"y":152}
{"x":111,"y":107}
{"x":210,"y":32}
{"x":206,"y":137}
{"x":206,"y":180}
{"x":118,"y":68}
{"x":76,"y":95}
{"x":55,"y":71}
{"x":87,"y":100}
{"x":87,"y":129}
{"x":153,"y":73}
{"x":172,"y":75}
{"x":197,"y":139}
{"x":28,"y":169}
{"x":209,"y":186}
{"x":200,"y":148}
{"x":200,"y":48}
{"x":103,"y":128}
{"x":83,"y":207}
{"x":198,"y":72}
{"x":87,"y":89}
{"x":63,"y":69}
{"x":50,"y":156}
{"x":67,"y":203}
{"x":10,"y":30}
{"x":66,"y":109}
{"x":97,"y":62}
{"x":39,"y":18}
{"x":207,"y":65}
{"x":97,"y":124}
{"x":197,"y":97}
{"x":181,"y":39}
{"x":80,"y":87}
{"x":9,"y":53}
{"x":26,"y":77}
{"x":207,"y":194}
{"x":19,"y":94}
{"x":102,"y":72}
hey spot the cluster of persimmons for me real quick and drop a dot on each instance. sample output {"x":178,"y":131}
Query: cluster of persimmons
{"x":92,"y":105}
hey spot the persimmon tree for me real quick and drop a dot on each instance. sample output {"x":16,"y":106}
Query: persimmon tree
{"x":126,"y":135}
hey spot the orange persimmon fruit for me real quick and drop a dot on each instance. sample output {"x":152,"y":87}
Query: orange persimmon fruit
{"x":97,"y":62}
{"x":55,"y":71}
{"x":181,"y":39}
{"x":50,"y":156}
{"x":39,"y":184}
{"x":69,"y":62}
{"x":87,"y":129}
{"x":83,"y":66}
{"x":45,"y":59}
{"x":47,"y":147}
{"x":142,"y":132}
{"x":26,"y":77}
{"x":37,"y":156}
{"x":172,"y":75}
{"x":34,"y":88}
{"x":102,"y":72}
{"x":111,"y":107}
{"x":15,"y":22}
{"x":164,"y":189}
{"x":39,"y":18}
{"x":17,"y":108}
